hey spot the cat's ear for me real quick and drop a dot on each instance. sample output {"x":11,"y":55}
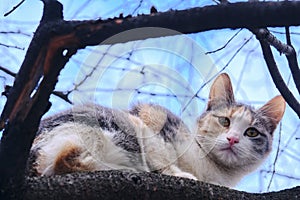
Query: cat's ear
{"x":220,"y":92}
{"x":274,"y":109}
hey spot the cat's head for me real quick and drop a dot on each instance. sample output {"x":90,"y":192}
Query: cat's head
{"x":234,"y":135}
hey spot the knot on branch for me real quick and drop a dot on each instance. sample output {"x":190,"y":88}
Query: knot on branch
{"x":135,"y":179}
{"x":264,"y":34}
{"x":53,"y":10}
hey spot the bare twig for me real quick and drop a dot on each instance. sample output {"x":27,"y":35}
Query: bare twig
{"x":14,"y":8}
{"x":276,"y":157}
{"x":7,"y":71}
{"x":224,"y":46}
{"x":10,"y":46}
{"x":213,"y":77}
{"x":63,"y":96}
{"x":137,"y":7}
{"x":279,"y":32}
{"x":15,"y":32}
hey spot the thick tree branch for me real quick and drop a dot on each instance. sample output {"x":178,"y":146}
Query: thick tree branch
{"x":235,"y":15}
{"x":128,"y":185}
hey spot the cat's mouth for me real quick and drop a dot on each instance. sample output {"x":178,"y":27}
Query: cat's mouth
{"x":228,"y":150}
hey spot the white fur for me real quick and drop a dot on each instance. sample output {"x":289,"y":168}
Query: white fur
{"x":98,"y":149}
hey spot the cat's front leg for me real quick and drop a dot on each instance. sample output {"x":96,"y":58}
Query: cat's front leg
{"x":173,"y":170}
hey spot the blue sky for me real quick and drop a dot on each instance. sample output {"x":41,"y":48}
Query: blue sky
{"x":178,"y":66}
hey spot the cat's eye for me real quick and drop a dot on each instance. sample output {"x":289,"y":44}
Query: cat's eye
{"x":252,"y":132}
{"x":224,"y":121}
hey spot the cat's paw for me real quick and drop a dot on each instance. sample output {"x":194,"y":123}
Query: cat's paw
{"x":186,"y":175}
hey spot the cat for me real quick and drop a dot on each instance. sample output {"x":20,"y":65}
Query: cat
{"x":230,"y":141}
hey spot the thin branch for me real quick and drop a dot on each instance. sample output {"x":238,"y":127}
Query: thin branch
{"x":279,"y":32}
{"x":276,"y":157}
{"x":15,"y":32}
{"x":137,"y":7}
{"x":225,"y":45}
{"x":213,"y":77}
{"x":14,"y":8}
{"x":278,"y":80}
{"x":63,"y":96}
{"x":7,"y":71}
{"x":10,"y":46}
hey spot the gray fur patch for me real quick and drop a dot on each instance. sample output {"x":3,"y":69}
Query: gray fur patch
{"x":261,"y":145}
{"x":128,"y":142}
{"x":97,"y":116}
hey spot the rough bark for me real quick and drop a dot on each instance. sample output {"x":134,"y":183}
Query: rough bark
{"x":28,"y":99}
{"x":128,"y":185}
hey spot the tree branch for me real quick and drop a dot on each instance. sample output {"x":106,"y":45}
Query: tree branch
{"x":264,"y":34}
{"x":14,"y":8}
{"x":278,"y":80}
{"x":129,"y":185}
{"x":235,"y":15}
{"x":287,"y":49}
{"x":7,"y":71}
{"x":24,"y":108}
{"x":294,"y":67}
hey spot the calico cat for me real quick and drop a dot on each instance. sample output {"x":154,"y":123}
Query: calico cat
{"x":231,"y":139}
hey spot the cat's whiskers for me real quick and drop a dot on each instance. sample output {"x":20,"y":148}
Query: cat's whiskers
{"x":240,"y":151}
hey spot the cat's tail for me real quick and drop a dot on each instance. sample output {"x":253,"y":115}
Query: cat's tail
{"x":74,"y":146}
{"x":62,"y":153}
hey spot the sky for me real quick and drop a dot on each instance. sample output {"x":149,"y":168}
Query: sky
{"x":168,"y":71}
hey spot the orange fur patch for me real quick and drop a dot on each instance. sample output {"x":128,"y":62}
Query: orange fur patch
{"x":153,"y":117}
{"x":67,"y":161}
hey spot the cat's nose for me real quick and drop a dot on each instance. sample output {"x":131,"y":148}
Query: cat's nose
{"x":232,"y":140}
